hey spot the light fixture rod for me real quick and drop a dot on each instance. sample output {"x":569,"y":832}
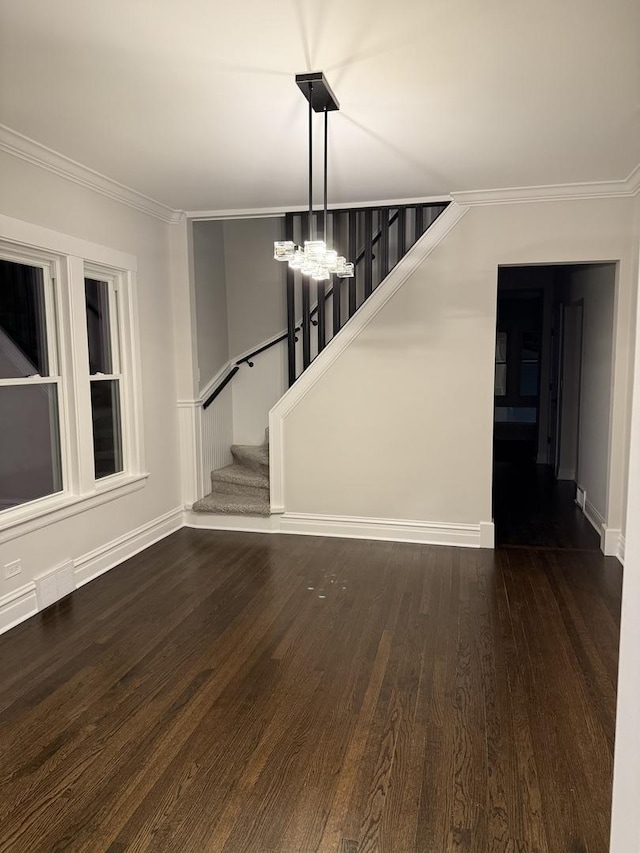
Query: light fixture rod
{"x":311,"y":234}
{"x":315,"y":259}
{"x":326,"y":135}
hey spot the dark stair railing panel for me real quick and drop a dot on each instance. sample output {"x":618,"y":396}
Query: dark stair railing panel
{"x":384,"y":244}
{"x":375,"y":239}
{"x":306,"y":323}
{"x":291,"y":307}
{"x":368,"y":253}
{"x":353,"y":236}
{"x":322,"y":315}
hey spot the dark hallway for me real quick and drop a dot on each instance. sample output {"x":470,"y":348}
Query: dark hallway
{"x":554,"y":333}
{"x":533,"y":509}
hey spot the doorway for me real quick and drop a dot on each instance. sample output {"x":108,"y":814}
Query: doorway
{"x":552,"y":401}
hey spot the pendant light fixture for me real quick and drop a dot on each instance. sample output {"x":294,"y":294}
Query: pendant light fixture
{"x":314,"y":258}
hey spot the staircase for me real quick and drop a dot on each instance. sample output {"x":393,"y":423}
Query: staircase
{"x":376,"y":239}
{"x":241,"y":488}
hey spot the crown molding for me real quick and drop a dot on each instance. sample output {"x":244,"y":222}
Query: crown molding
{"x":39,"y":155}
{"x":630,"y":186}
{"x":553,"y":192}
{"x":21,"y":146}
{"x":264,"y":212}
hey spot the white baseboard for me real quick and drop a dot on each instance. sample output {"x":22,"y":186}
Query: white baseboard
{"x":566,"y":474}
{"x":20,"y":604}
{"x":610,"y":541}
{"x":389,"y":529}
{"x":487,"y":534}
{"x":621,"y":544}
{"x":609,"y":536}
{"x":17,"y":606}
{"x":594,"y":516}
{"x":348,"y":527}
{"x":99,"y":561}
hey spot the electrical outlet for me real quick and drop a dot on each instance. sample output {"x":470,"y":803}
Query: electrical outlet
{"x":12,"y":569}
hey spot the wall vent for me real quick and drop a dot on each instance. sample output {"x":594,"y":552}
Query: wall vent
{"x":55,"y":585}
{"x":581,"y":497}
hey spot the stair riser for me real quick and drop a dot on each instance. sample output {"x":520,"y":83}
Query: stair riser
{"x":221,"y":510}
{"x":229,"y":488}
{"x":246,"y":458}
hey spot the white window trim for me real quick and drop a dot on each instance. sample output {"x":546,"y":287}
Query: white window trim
{"x":118,"y":325}
{"x":72,"y":258}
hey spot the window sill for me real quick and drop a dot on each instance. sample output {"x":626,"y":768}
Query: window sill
{"x":25,"y":519}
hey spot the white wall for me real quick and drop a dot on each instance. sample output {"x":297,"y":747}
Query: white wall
{"x":595,"y":287}
{"x":41,"y":197}
{"x":625,"y":819}
{"x":401,"y":423}
{"x":211,"y":299}
{"x":256,"y":297}
{"x":240,"y":304}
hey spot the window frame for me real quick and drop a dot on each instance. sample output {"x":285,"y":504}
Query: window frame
{"x":68,"y":258}
{"x":113,"y":280}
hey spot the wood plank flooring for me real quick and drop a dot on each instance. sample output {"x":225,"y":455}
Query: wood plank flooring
{"x":243,"y":693}
{"x":532,"y":508}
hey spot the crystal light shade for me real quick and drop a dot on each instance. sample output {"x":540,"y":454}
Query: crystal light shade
{"x":284,"y":250}
{"x":347,"y":271}
{"x":314,"y":259}
{"x":315,"y":250}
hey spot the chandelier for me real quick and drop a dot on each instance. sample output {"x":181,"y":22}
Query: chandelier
{"x":314,"y":258}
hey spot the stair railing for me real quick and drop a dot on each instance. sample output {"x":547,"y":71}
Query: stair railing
{"x":354,"y":233}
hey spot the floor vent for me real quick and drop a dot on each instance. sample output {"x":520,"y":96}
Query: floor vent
{"x":55,"y":585}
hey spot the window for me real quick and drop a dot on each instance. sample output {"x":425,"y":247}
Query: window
{"x":500,"y":381}
{"x":69,"y":414}
{"x":104,"y":374}
{"x":30,"y":448}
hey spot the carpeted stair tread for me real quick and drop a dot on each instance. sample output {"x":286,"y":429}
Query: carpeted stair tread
{"x":241,"y":488}
{"x":249,"y":502}
{"x":238,"y":477}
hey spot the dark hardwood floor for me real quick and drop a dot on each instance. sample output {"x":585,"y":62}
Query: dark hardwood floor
{"x":245,"y":693}
{"x":532,"y":508}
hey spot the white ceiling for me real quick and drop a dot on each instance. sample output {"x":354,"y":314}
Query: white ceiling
{"x":194,"y":103}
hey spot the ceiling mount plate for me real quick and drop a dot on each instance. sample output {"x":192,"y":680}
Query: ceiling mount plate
{"x":317,"y":91}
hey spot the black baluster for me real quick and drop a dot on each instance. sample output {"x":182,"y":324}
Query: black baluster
{"x":322,"y":315}
{"x":335,"y":295}
{"x":368,"y":252}
{"x":291,"y":306}
{"x":353,"y":248}
{"x":402,"y":231}
{"x":419,"y":221}
{"x":306,"y":323}
{"x":384,"y":243}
